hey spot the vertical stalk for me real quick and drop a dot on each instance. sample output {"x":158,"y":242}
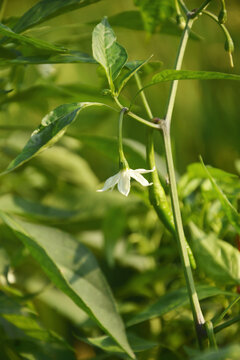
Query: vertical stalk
{"x":178,"y":65}
{"x":194,"y":301}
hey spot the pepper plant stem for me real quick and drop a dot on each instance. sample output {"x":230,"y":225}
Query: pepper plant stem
{"x":194,"y":301}
{"x":136,"y":117}
{"x":178,"y":65}
{"x":157,"y":194}
{"x":193,"y":297}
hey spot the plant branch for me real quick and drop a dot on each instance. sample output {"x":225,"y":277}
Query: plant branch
{"x":193,"y":297}
{"x":183,"y":6}
{"x":227,"y":323}
{"x":143,"y":96}
{"x":202,"y":7}
{"x":136,"y":117}
{"x":178,"y":65}
{"x":194,"y":301}
{"x":220,"y":317}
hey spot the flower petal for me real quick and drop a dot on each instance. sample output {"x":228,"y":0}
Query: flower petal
{"x":144,"y":171}
{"x":124,"y":182}
{"x":138,"y":177}
{"x":110,"y":182}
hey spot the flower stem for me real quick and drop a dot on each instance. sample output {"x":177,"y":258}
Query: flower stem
{"x":123,"y":164}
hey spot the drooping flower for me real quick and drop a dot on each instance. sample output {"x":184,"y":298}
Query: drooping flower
{"x":122,"y":180}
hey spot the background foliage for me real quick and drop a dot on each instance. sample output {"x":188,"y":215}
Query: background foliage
{"x":57,"y":189}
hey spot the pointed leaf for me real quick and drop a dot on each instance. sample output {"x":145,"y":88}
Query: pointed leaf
{"x":219,"y":260}
{"x":170,"y":75}
{"x":69,"y":57}
{"x":174,"y":300}
{"x":17,"y":205}
{"x":74,"y":270}
{"x":45,"y":10}
{"x":131,"y":73}
{"x":106,"y":343}
{"x":230,"y":211}
{"x":40,"y":44}
{"x":133,"y":20}
{"x":106,"y":50}
{"x":52,"y":128}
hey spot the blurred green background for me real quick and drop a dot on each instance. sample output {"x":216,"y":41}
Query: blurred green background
{"x":58,"y":187}
{"x":206,"y":115}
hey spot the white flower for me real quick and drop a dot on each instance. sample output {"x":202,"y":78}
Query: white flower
{"x":122,"y":178}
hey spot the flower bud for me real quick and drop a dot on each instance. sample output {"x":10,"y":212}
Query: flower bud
{"x":222,"y":17}
{"x":180,"y":21}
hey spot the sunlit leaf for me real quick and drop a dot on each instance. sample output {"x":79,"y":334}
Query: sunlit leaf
{"x":107,"y":51}
{"x":74,"y":270}
{"x":174,"y":300}
{"x":52,"y":128}
{"x":196,"y":170}
{"x":230,"y":211}
{"x":45,"y":10}
{"x":170,"y":75}
{"x":219,"y":260}
{"x":40,"y":44}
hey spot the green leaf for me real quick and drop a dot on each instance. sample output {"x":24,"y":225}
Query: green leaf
{"x":231,"y":352}
{"x":133,"y":20}
{"x":131,"y":73}
{"x":17,"y":205}
{"x":106,"y":343}
{"x":219,"y":260}
{"x":74,"y":270}
{"x":52,"y":128}
{"x":40,"y":44}
{"x":23,"y":318}
{"x":230,"y":211}
{"x":196,"y":170}
{"x":170,"y":75}
{"x":69,"y":57}
{"x":45,"y":10}
{"x":174,"y":300}
{"x":107,"y":52}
